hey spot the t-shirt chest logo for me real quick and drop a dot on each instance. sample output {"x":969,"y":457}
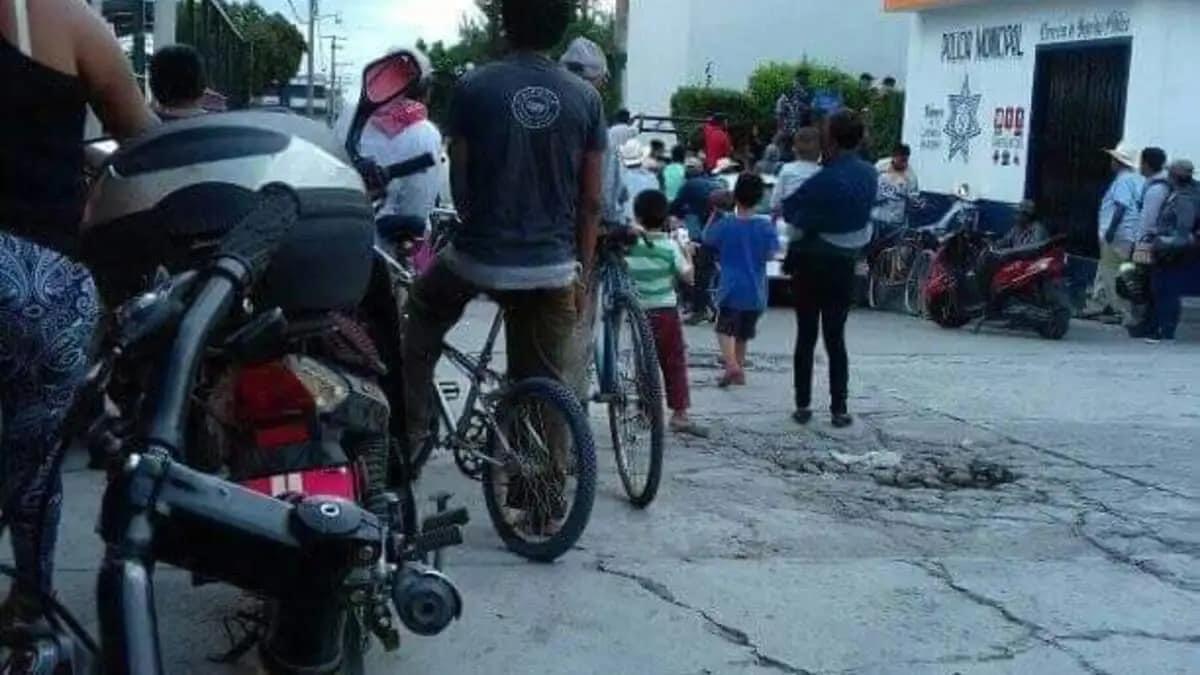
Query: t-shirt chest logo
{"x":536,"y":107}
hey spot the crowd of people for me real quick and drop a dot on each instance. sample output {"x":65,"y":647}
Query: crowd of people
{"x":536,"y":181}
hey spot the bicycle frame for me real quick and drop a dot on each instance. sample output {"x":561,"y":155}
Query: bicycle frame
{"x":478,"y":371}
{"x":612,"y":279}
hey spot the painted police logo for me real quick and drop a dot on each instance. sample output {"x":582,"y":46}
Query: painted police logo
{"x":962,"y":123}
{"x":536,"y":107}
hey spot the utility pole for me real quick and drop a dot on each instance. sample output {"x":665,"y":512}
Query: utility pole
{"x":331,"y":85}
{"x":312,"y":48}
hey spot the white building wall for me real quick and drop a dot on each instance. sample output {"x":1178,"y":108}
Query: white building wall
{"x":674,"y":43}
{"x":1161,"y":104}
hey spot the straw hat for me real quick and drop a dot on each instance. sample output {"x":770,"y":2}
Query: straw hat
{"x":633,"y":153}
{"x":1125,"y":154}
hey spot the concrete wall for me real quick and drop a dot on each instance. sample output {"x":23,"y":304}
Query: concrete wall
{"x":673,"y":43}
{"x":1162,"y":99}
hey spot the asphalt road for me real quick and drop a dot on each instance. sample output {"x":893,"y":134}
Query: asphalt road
{"x":1004,"y":505}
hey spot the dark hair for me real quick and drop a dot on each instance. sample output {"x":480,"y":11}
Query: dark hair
{"x":622,"y":116}
{"x":650,"y":207}
{"x":866,"y":76}
{"x":177,"y":75}
{"x":678,"y":153}
{"x":749,"y":190}
{"x":902,"y":150}
{"x":846,"y":129}
{"x":889,"y":81}
{"x":535,"y":24}
{"x":1155,"y":158}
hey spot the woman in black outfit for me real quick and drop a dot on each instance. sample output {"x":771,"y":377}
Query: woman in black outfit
{"x":56,"y":57}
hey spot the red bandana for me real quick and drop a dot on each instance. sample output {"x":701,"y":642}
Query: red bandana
{"x":399,"y":115}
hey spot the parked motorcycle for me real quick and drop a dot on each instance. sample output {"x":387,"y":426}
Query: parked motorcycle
{"x":249,"y":425}
{"x":1024,"y":287}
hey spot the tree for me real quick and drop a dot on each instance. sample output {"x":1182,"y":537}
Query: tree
{"x":481,"y":39}
{"x":278,"y":46}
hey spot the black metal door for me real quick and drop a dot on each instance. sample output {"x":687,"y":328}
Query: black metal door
{"x":1078,"y":109}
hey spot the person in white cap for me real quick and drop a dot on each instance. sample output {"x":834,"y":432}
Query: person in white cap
{"x":587,"y":60}
{"x":634,"y":175}
{"x":1119,"y":212}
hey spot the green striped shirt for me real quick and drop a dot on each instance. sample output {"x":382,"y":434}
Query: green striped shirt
{"x":655,"y":269}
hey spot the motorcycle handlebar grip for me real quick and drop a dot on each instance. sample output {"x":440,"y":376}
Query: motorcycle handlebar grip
{"x":254,"y":240}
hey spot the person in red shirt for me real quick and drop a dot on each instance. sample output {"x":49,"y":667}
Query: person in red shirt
{"x":717,"y":143}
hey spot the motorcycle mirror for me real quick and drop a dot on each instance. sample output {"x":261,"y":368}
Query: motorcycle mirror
{"x":383,"y":81}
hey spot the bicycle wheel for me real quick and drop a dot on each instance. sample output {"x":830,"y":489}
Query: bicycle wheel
{"x":541,"y":483}
{"x":635,"y":413}
{"x":918,"y":280}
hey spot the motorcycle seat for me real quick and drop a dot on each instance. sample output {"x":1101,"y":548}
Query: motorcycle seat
{"x":1028,"y":252}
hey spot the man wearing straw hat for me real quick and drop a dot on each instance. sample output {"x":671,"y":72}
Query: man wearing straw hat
{"x":1118,"y":223}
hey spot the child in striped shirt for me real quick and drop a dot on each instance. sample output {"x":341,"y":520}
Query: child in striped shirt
{"x":656,"y":264}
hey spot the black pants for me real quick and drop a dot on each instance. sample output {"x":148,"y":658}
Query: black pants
{"x":700,"y":300}
{"x":822,"y":287}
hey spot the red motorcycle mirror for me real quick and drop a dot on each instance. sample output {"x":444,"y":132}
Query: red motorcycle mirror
{"x":383,"y":81}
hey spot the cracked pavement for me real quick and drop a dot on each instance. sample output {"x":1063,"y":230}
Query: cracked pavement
{"x":775,"y":548}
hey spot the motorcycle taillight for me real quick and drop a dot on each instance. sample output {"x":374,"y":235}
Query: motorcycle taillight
{"x":274,"y":403}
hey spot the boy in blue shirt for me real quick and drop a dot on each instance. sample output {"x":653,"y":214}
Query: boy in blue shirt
{"x":744,"y":242}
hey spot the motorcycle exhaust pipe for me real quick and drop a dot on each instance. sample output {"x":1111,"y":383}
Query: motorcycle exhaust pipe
{"x":425,"y":600}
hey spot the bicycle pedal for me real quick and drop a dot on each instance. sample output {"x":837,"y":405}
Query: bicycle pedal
{"x":450,"y":390}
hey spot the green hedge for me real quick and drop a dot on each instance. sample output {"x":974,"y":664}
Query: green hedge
{"x":756,"y":106}
{"x":701,"y":102}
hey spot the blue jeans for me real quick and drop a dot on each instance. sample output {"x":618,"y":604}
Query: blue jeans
{"x":1170,"y":283}
{"x":48,"y":312}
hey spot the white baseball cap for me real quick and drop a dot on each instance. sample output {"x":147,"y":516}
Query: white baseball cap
{"x":586,"y":59}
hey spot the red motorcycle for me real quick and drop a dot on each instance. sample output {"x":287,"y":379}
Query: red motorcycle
{"x":1024,"y":287}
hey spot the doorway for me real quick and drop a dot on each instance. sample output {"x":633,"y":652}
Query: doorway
{"x":1079,"y":94}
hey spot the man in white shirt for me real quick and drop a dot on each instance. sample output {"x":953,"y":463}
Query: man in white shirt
{"x":621,"y":131}
{"x":898,"y":189}
{"x":397,"y":132}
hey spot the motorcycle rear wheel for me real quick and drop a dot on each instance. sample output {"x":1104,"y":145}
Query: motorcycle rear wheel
{"x":1056,"y":327}
{"x":945,"y":314}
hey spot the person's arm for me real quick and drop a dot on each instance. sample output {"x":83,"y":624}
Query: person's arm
{"x":808,"y":198}
{"x":105,"y":72}
{"x":683,"y":265}
{"x":459,"y":185}
{"x":1156,"y":196}
{"x":1110,"y":233}
{"x":587,"y":229}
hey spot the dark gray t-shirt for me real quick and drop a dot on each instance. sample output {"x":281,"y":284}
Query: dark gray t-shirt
{"x":527,"y":123}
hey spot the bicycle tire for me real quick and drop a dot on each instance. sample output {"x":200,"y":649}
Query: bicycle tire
{"x":918,"y":280}
{"x":648,"y":381}
{"x":556,"y":396}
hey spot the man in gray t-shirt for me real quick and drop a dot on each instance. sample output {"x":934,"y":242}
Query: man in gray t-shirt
{"x":526,"y":148}
{"x":525,"y":124}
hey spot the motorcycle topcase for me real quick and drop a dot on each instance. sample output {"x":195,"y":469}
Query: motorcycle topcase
{"x":169,"y":196}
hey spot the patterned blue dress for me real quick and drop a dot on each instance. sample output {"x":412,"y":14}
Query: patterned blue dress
{"x":48,"y":313}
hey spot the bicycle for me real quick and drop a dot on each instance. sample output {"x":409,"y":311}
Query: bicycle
{"x":504,"y":439}
{"x":629,"y":377}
